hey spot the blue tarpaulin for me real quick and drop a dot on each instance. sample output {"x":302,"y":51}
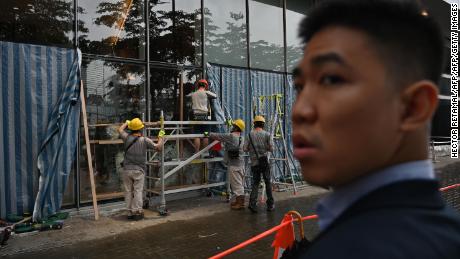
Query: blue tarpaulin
{"x":239,"y":90}
{"x":39,"y":111}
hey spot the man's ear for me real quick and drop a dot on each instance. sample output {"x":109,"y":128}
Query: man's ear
{"x":420,"y":101}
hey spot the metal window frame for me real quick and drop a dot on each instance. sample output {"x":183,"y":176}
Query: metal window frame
{"x":149,"y":64}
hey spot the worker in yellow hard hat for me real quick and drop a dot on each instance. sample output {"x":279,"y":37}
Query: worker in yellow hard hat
{"x":134,"y":164}
{"x":234,"y":143}
{"x":259,"y":143}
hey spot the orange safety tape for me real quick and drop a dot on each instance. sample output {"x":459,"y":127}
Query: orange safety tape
{"x":257,"y":238}
{"x":274,"y":229}
{"x":449,"y":187}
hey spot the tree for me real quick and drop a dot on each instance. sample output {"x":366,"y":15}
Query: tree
{"x":48,"y":22}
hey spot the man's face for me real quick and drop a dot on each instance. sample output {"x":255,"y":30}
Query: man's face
{"x":346,"y":116}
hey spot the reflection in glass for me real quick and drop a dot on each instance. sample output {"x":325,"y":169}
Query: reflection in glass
{"x":175,"y":31}
{"x":165,"y":92}
{"x":112,"y":27}
{"x":266,"y":34}
{"x":295,"y":12}
{"x":225,"y":32}
{"x":45,"y":22}
{"x":114,"y":93}
{"x":187,"y":31}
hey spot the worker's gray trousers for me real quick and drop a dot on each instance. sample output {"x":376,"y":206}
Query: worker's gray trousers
{"x":236,"y":179}
{"x":133,"y":181}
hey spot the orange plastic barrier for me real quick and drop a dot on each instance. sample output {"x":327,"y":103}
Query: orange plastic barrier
{"x":274,"y":229}
{"x":449,"y":187}
{"x":258,"y":237}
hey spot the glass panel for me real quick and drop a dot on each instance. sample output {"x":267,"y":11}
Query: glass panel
{"x":225,"y":32}
{"x":114,"y":93}
{"x":266,"y":34}
{"x":112,"y":27}
{"x":175,"y":36}
{"x":165,"y":92}
{"x":160,"y":18}
{"x":45,"y":22}
{"x":68,"y":198}
{"x":295,"y":12}
{"x":187,"y":32}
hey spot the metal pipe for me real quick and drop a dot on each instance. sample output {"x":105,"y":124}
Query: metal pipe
{"x":163,"y":198}
{"x":203,"y":65}
{"x":147,"y":57}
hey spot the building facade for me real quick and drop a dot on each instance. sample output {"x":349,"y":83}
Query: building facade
{"x":137,"y":54}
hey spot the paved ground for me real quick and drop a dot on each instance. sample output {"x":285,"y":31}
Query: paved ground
{"x":196,"y":238}
{"x":197,"y":228}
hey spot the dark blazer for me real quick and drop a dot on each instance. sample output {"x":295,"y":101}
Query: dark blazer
{"x":403,"y":220}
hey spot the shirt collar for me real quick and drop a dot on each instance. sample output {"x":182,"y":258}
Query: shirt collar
{"x":330,"y":207}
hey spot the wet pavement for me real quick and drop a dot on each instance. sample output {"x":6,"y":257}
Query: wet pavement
{"x":196,"y":238}
{"x":204,"y":236}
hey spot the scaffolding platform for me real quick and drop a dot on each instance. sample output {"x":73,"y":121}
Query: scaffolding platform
{"x":173,"y":166}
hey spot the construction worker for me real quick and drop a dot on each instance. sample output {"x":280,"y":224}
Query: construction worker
{"x":259,"y":143}
{"x":200,"y":103}
{"x":134,"y":164}
{"x":234,"y":143}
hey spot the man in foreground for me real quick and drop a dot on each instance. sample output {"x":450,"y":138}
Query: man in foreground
{"x":361,"y":126}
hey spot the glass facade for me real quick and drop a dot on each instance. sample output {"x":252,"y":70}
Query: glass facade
{"x":141,"y":57}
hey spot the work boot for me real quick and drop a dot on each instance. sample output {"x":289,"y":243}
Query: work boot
{"x":252,"y":208}
{"x":239,"y":203}
{"x":138,"y":216}
{"x":271,"y":207}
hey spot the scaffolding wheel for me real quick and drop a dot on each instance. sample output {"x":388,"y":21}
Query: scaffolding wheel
{"x":163,"y":212}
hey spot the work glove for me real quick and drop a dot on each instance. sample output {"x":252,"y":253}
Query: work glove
{"x":161,"y":133}
{"x":229,"y":122}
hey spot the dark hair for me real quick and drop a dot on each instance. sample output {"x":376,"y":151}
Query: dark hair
{"x":409,"y":43}
{"x":135,"y":131}
{"x":296,"y":72}
{"x":235,"y":128}
{"x":259,"y":124}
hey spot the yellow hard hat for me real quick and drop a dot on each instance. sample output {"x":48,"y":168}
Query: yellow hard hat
{"x":135,"y":124}
{"x":239,"y":123}
{"x":259,"y":118}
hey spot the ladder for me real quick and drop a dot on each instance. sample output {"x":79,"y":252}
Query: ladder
{"x":284,"y":162}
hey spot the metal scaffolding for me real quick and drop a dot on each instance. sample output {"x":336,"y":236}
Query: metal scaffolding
{"x":169,"y":168}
